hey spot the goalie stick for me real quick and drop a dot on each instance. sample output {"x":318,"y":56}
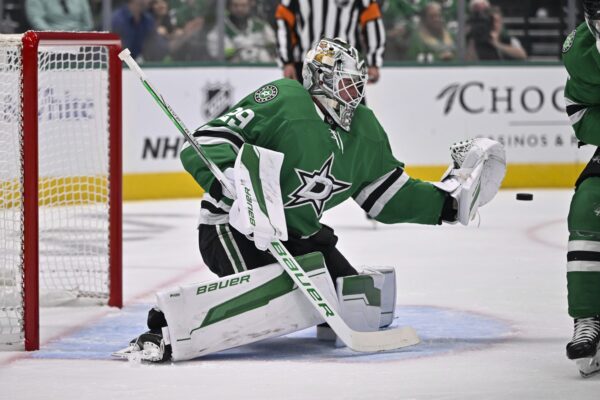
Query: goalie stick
{"x":358,"y":341}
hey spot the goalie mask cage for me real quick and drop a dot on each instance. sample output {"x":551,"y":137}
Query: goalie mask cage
{"x":60,"y":175}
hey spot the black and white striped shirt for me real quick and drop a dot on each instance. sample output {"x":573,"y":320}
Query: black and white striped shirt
{"x":301,"y":23}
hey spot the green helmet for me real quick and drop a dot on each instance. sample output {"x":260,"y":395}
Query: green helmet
{"x":335,"y":74}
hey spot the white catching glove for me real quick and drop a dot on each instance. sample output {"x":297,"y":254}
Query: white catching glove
{"x":257,"y":210}
{"x":474,"y":178}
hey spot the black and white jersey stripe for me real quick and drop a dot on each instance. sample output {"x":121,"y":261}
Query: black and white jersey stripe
{"x":376,"y":195}
{"x":213,"y":211}
{"x":575,"y":111}
{"x":301,"y":23}
{"x":210,"y":135}
{"x":583,"y":256}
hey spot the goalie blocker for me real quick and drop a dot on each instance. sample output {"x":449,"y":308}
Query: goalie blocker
{"x":244,"y":308}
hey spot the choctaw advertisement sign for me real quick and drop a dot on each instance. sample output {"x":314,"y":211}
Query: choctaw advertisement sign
{"x":424,"y":110}
{"x":430,"y":108}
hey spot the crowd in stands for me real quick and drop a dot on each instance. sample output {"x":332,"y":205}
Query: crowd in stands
{"x":186,"y":30}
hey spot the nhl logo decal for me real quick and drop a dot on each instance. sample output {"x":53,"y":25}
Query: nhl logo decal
{"x":265,"y":93}
{"x":217,"y":99}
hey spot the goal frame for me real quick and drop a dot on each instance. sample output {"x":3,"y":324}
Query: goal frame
{"x":31,"y":40}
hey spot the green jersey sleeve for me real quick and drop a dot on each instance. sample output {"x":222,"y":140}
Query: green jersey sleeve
{"x":390,"y":196}
{"x":582,"y":90}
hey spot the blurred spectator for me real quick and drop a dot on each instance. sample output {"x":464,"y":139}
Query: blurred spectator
{"x":195,"y":18}
{"x":191,"y":11}
{"x":265,"y":10}
{"x":96,"y":7}
{"x":478,"y":6}
{"x":487,"y":39}
{"x":411,"y":9}
{"x":138,"y":32}
{"x":401,"y":19}
{"x":59,"y":15}
{"x":159,"y":9}
{"x":431,"y":41}
{"x":13,"y":16}
{"x":247,"y":38}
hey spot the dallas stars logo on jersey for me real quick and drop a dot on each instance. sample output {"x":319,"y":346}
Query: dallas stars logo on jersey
{"x":266,"y":93}
{"x":316,"y":187}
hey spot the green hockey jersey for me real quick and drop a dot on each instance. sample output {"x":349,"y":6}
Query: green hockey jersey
{"x":323,"y":164}
{"x":582,"y":91}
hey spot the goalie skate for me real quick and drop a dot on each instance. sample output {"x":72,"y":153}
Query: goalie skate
{"x":148,"y":347}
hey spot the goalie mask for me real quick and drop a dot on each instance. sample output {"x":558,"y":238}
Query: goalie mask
{"x":335,"y":74}
{"x":591,"y":9}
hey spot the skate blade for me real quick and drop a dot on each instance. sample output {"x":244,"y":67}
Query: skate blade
{"x":150,"y":352}
{"x":588,"y":366}
{"x":129,"y":353}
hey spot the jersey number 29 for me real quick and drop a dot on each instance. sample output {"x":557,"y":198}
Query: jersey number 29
{"x":238,"y":117}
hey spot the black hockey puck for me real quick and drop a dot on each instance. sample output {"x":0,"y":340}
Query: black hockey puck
{"x":525,"y":196}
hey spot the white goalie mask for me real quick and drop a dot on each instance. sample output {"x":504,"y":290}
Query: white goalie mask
{"x":334,"y":73}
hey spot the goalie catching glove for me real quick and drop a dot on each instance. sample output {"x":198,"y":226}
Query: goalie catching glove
{"x":474,"y":177}
{"x":257,"y":210}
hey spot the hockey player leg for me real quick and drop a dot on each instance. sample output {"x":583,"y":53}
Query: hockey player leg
{"x":583,"y":276}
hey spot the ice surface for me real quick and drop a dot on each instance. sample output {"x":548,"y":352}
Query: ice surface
{"x":489,"y":302}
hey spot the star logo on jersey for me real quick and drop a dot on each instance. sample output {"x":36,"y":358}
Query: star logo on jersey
{"x":317,"y":187}
{"x":266,"y":93}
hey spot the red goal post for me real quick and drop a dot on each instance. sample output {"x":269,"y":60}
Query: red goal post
{"x":61,"y":202}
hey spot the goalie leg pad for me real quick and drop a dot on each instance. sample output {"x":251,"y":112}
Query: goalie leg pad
{"x":242,"y":308}
{"x":367,"y":301}
{"x":388,"y":295}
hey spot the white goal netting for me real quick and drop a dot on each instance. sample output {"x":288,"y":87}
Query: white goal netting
{"x":73,"y":178}
{"x":11,"y":179}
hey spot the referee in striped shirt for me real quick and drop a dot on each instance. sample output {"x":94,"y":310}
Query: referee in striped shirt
{"x":301,"y":23}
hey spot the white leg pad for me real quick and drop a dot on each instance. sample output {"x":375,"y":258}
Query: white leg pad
{"x":241,"y":308}
{"x":367,"y":301}
{"x":388,"y":294}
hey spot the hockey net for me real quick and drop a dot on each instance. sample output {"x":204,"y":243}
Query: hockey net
{"x":60,"y":226}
